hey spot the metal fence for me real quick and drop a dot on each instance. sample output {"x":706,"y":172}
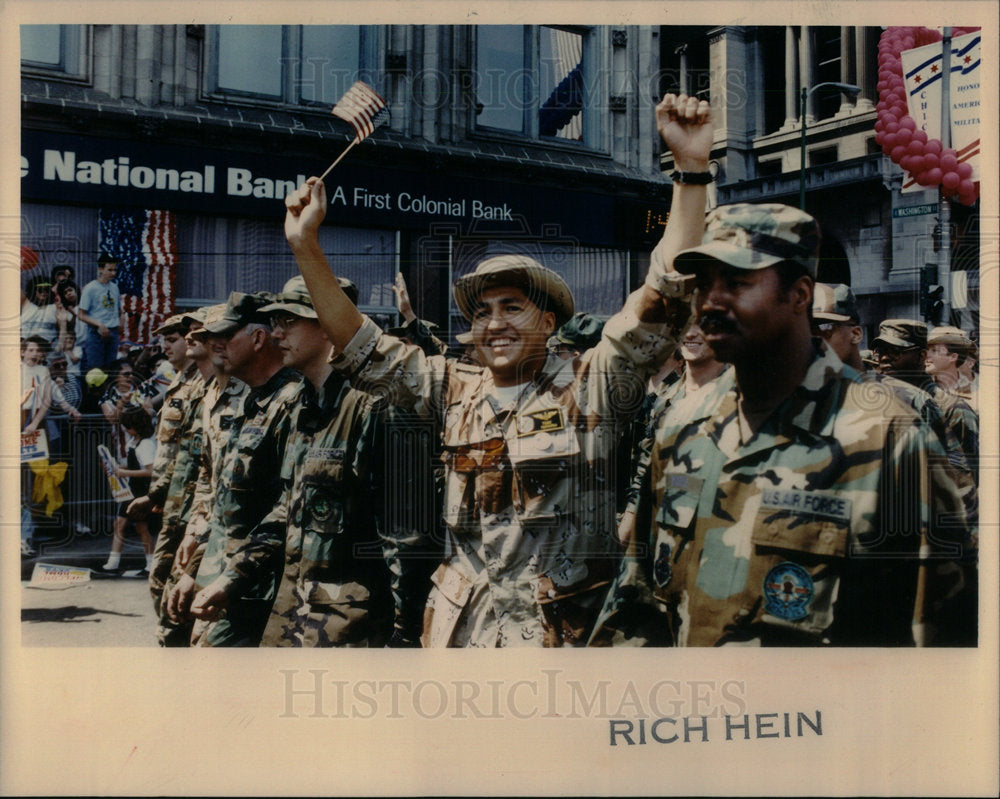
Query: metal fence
{"x":88,"y":509}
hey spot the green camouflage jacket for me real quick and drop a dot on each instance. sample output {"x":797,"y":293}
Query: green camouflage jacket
{"x":334,"y":590}
{"x":248,"y":488}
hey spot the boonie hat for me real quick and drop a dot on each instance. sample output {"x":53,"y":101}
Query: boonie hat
{"x":902,"y":333}
{"x":954,"y":338}
{"x":537,"y":282}
{"x":835,"y":303}
{"x":752,"y":236}
{"x":241,"y":309}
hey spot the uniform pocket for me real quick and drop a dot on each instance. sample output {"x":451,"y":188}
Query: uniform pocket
{"x":571,"y":599}
{"x":450,"y":594}
{"x":800,"y":541}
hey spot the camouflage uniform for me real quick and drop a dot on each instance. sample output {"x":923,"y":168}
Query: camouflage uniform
{"x":249,"y":486}
{"x":813,"y":528}
{"x":529,"y":496}
{"x":221,"y":409}
{"x":171,"y":480}
{"x":335,"y":587}
{"x":807,"y":533}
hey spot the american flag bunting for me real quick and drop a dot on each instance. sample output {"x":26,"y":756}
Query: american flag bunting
{"x":146,"y":243}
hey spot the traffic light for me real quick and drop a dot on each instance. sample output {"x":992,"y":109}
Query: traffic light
{"x":931,"y":295}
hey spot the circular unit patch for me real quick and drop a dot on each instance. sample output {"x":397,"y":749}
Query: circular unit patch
{"x":788,"y":590}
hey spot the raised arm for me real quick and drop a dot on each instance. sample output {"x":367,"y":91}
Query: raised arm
{"x":305,"y":210}
{"x":685,"y":125}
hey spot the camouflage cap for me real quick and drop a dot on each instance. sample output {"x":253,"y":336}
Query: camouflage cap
{"x":294,"y":297}
{"x":902,"y":333}
{"x":172,"y":324}
{"x":954,"y":338}
{"x":241,"y":309}
{"x":751,"y":236}
{"x":209,"y":314}
{"x":582,"y":332}
{"x":835,"y":303}
{"x":196,"y":315}
{"x":868,"y":358}
{"x":541,"y":285}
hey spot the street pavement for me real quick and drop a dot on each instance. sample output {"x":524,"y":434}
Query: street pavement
{"x":102,"y":611}
{"x":99,"y":612}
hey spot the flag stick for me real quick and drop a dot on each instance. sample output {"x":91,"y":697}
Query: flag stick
{"x":339,"y":158}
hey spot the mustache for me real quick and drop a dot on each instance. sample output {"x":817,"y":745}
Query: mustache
{"x":716,"y":323}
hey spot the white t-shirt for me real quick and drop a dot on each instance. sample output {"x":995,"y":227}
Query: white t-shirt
{"x":39,"y":321}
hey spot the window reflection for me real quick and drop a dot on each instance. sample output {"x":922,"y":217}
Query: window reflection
{"x":561,"y":81}
{"x":500,"y":59}
{"x":42,"y":44}
{"x":250,"y":59}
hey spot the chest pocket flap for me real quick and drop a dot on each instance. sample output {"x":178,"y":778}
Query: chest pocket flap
{"x":813,"y":522}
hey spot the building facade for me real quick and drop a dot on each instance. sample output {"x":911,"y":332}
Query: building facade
{"x":537,"y":139}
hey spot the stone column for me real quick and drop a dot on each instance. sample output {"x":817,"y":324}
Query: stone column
{"x":847,"y":68}
{"x":807,"y":71}
{"x":791,"y":79}
{"x":865,"y":45}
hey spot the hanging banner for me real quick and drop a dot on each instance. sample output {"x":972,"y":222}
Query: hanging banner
{"x":922,"y":73}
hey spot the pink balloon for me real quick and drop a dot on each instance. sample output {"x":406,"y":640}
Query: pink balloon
{"x":915,"y":147}
{"x":903,"y":135}
{"x":934,"y":146}
{"x":917,"y":164}
{"x":897,"y":153}
{"x":920,"y":136}
{"x":891,"y":126}
{"x":930,"y":159}
{"x":890,"y":140}
{"x":964,"y":170}
{"x":908,"y":123}
{"x":949,"y":163}
{"x":950,"y":180}
{"x":933,"y":175}
{"x":967,"y":187}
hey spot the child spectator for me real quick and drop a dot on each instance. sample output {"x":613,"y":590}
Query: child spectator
{"x":140,"y":450}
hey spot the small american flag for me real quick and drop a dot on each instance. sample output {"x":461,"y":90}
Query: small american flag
{"x":363,"y":108}
{"x":145,"y":242}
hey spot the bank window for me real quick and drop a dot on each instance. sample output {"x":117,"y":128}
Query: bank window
{"x":298,"y":64}
{"x":536,"y":81}
{"x":54,"y":48}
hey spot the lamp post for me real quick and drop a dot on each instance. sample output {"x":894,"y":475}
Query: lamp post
{"x":847,"y":88}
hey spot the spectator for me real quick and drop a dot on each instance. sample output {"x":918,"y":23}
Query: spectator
{"x":100,"y":309}
{"x":36,"y":396}
{"x":125,"y":390}
{"x":67,"y":321}
{"x":38,"y":314}
{"x":140,"y":451}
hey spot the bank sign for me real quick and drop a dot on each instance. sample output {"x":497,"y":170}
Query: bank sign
{"x":118,"y":172}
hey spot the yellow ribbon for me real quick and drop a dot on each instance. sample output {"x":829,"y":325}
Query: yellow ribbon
{"x":46,"y":488}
